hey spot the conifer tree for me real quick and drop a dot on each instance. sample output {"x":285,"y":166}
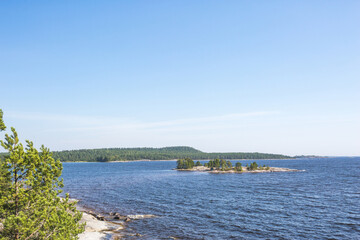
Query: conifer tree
{"x":2,"y":125}
{"x":238,"y":166}
{"x":30,"y":207}
{"x":229,"y":164}
{"x":4,"y":174}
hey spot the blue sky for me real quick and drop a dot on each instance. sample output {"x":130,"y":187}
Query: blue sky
{"x":265,"y":76}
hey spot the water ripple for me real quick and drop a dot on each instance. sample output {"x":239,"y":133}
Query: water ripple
{"x":320,"y":203}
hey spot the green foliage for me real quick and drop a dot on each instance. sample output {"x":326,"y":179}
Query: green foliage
{"x":253,"y":166}
{"x":224,"y":165}
{"x":186,"y":163}
{"x":4,"y":174}
{"x":238,"y":166}
{"x":30,"y":207}
{"x":263,"y":167}
{"x":166,"y":153}
{"x":2,"y":125}
{"x":219,"y":164}
{"x":197,"y":164}
{"x":215,"y":164}
{"x":4,"y":180}
{"x":103,"y":159}
{"x":229,"y":164}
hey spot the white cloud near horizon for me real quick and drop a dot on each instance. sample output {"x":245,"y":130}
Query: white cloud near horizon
{"x":93,"y":123}
{"x":258,"y":131}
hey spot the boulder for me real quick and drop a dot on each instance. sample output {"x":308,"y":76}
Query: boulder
{"x":118,"y":216}
{"x":140,"y":216}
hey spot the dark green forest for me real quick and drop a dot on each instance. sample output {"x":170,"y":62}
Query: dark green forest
{"x":166,"y":153}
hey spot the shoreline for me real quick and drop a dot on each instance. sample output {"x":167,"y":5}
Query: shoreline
{"x":108,"y":226}
{"x":96,"y":226}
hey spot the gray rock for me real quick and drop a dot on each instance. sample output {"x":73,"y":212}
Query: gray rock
{"x":140,"y":216}
{"x":118,"y":216}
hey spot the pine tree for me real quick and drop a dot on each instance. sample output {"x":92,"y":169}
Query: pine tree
{"x":238,"y":166}
{"x":4,"y":174}
{"x":253,"y":166}
{"x":180,"y":164}
{"x":229,"y":164}
{"x":217,"y":163}
{"x":4,"y":182}
{"x":2,"y":125}
{"x":30,"y":207}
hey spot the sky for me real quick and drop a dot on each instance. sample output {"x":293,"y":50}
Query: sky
{"x":220,"y":76}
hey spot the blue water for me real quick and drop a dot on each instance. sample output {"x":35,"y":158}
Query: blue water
{"x":321,"y":203}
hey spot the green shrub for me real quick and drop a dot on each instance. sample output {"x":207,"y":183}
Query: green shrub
{"x":186,"y":163}
{"x":238,"y":167}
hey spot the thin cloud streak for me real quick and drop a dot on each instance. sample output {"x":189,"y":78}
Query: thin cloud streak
{"x":84,"y":120}
{"x":103,"y":123}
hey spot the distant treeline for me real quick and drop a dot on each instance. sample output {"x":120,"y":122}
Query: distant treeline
{"x":166,"y":153}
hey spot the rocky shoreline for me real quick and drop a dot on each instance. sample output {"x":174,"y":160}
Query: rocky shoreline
{"x":111,"y":226}
{"x":96,"y":226}
{"x":96,"y":229}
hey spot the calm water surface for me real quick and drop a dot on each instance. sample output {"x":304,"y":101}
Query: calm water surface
{"x":321,"y":203}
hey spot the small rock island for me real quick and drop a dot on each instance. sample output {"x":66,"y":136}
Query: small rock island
{"x":223,"y":166}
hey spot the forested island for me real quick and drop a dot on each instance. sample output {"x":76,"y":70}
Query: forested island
{"x":225,"y":166}
{"x":166,"y":153}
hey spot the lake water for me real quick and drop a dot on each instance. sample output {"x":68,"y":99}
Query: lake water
{"x":321,"y":203}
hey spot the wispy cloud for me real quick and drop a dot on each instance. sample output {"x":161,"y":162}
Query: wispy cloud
{"x":77,"y":119}
{"x":221,"y":118}
{"x":97,"y":123}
